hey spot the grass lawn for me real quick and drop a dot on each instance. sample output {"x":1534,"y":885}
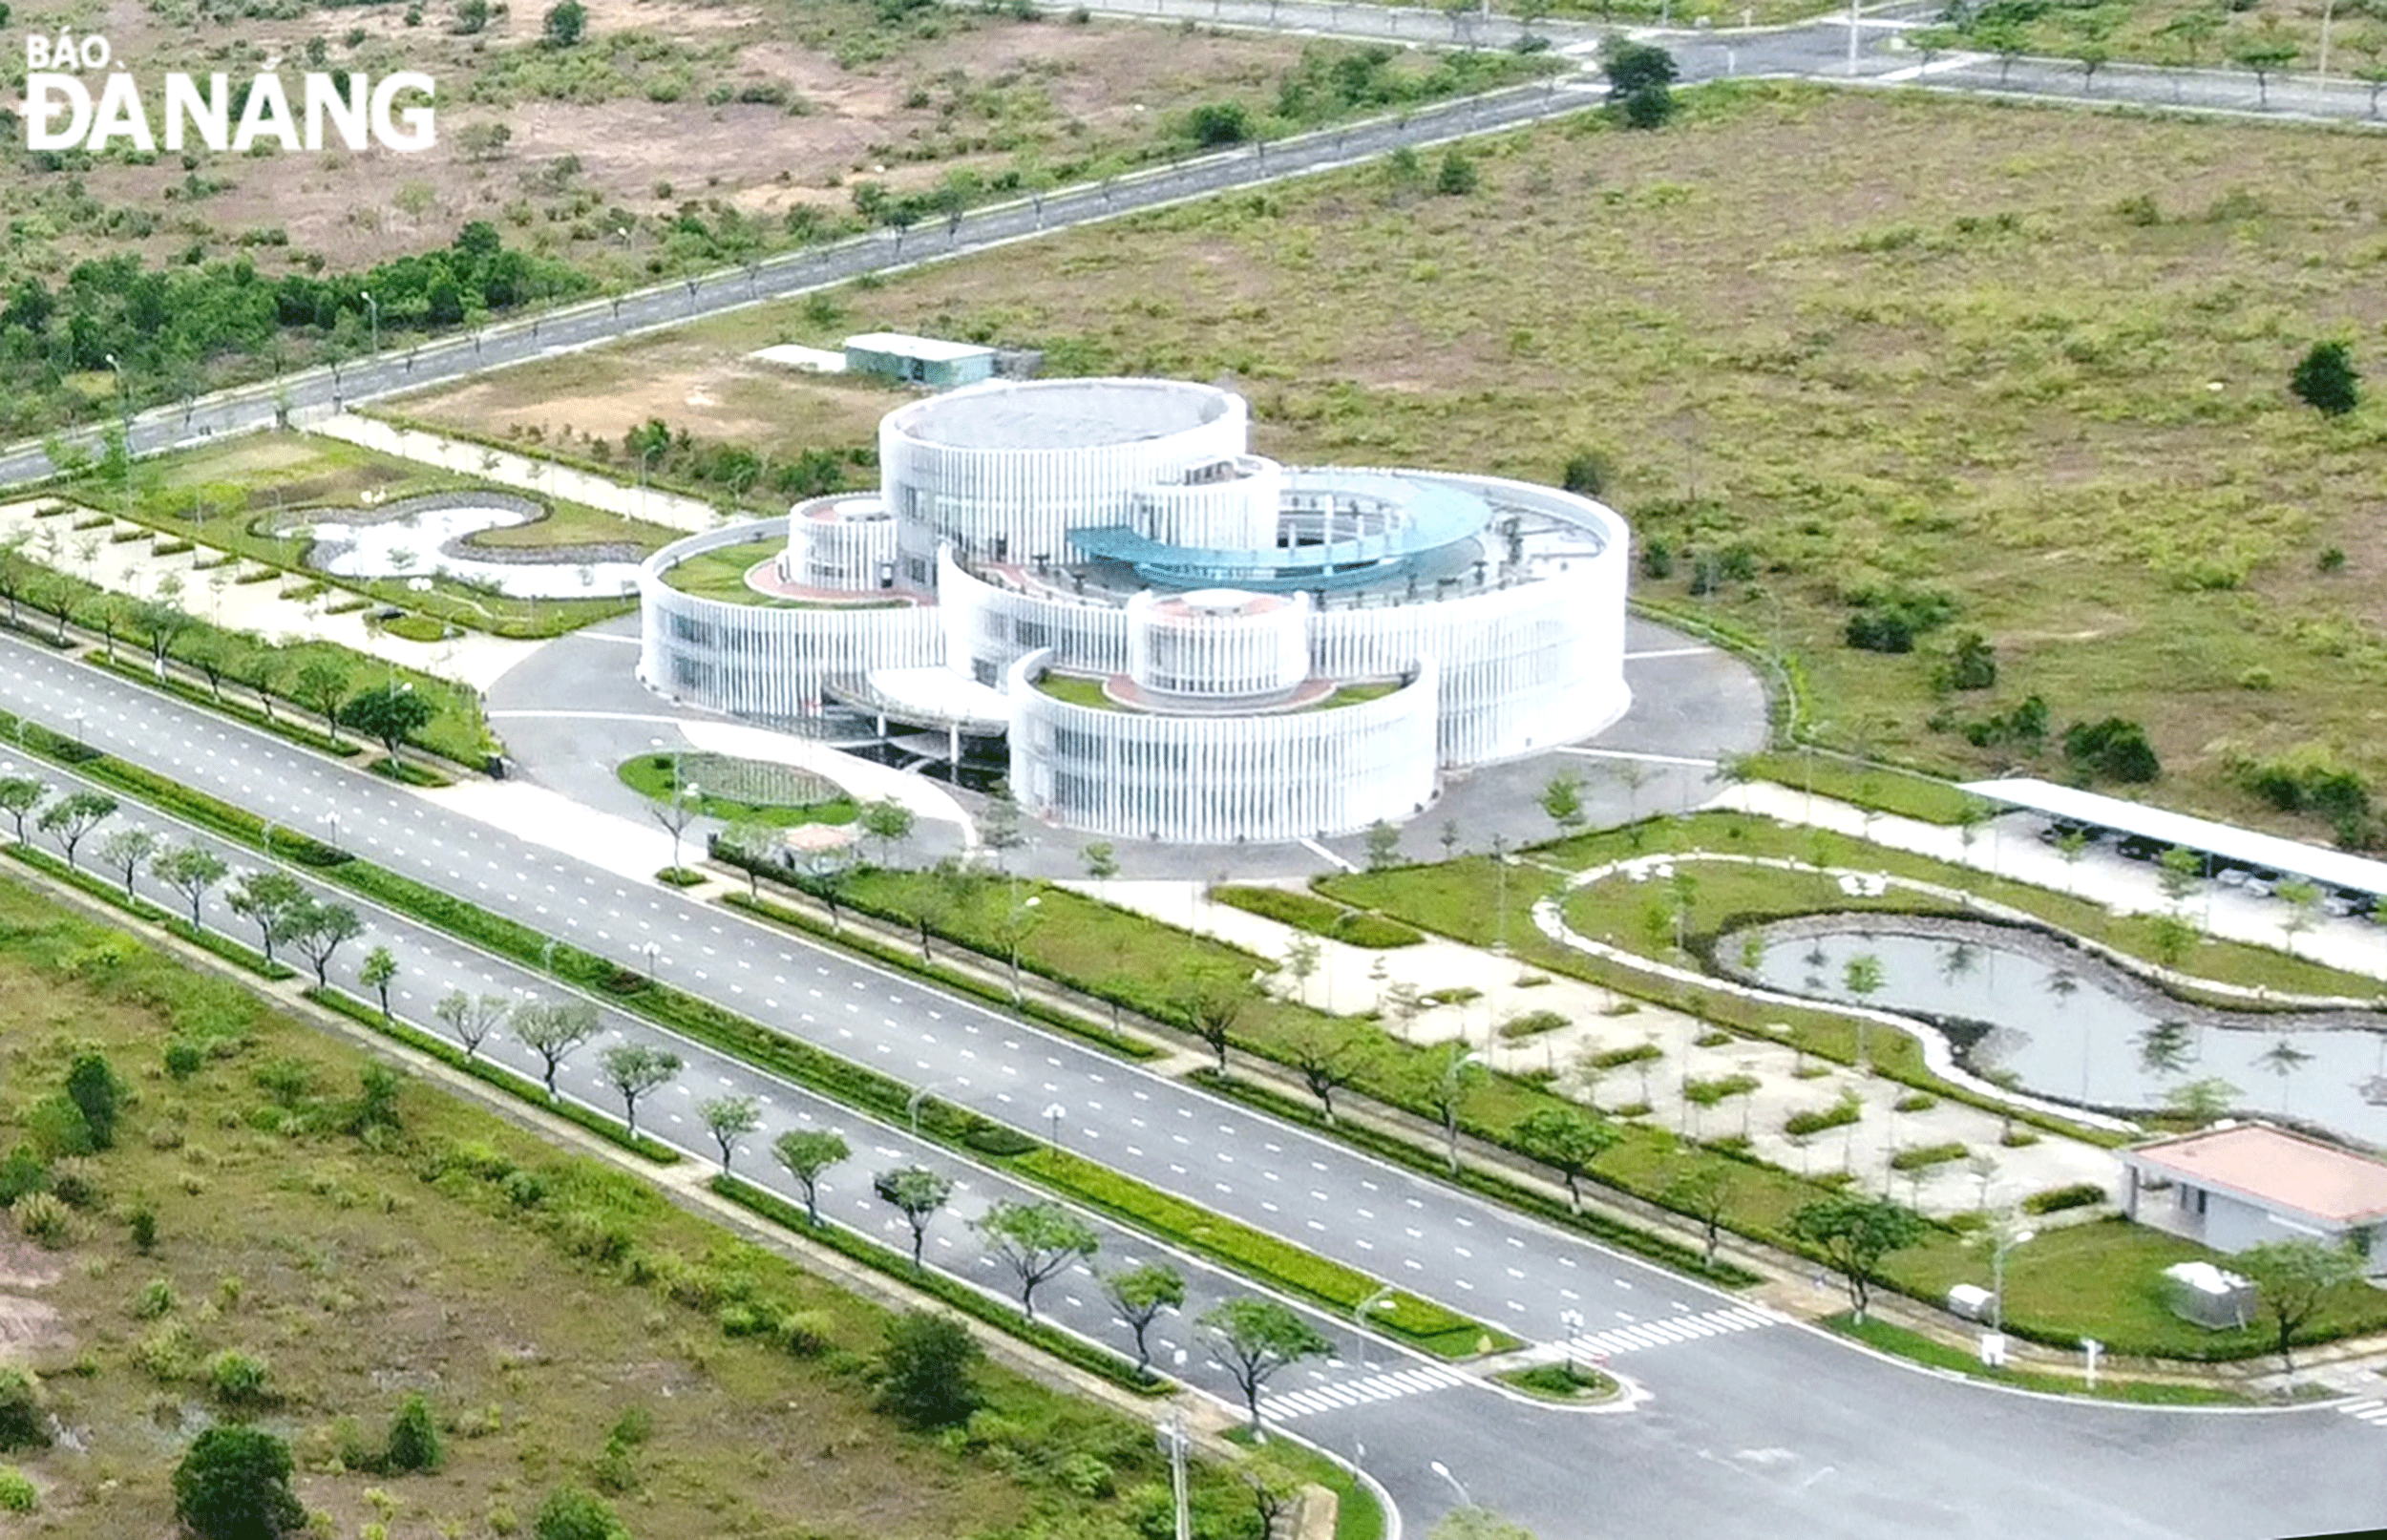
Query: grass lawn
{"x":722,"y":574}
{"x":1869,"y":786}
{"x":1561,"y":1381}
{"x":650,"y":775}
{"x":1078,"y":690}
{"x":568,"y":1323}
{"x":2146,"y":29}
{"x":1937,"y":1355}
{"x":1973,"y":368}
{"x":235,"y":495}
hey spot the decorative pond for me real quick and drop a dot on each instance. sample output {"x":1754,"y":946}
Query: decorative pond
{"x":432,"y":537}
{"x":2075,"y":1027}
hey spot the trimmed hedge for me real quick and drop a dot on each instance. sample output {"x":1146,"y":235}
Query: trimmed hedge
{"x":1816,"y":1120}
{"x":1059,"y":1342}
{"x":1419,"y":1322}
{"x":2054,"y":1199}
{"x":1923,"y":1156}
{"x":1319,"y":916}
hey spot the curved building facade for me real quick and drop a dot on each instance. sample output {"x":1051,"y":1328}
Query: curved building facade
{"x":1277,"y":653}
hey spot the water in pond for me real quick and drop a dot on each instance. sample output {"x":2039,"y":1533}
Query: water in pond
{"x":2075,"y":1029}
{"x":413,"y":546}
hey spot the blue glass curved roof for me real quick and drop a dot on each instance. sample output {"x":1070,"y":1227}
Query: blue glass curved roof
{"x":1430,"y":517}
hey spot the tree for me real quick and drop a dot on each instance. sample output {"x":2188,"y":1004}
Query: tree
{"x":730,"y":1119}
{"x":1276,"y":1488}
{"x":1140,"y":1294}
{"x":924,"y":1370}
{"x":268,"y":900}
{"x":2204,"y":1101}
{"x":414,"y":1437}
{"x":1632,"y":67}
{"x":917,"y":1192}
{"x":2163,"y":1047}
{"x":888,"y":822}
{"x":160,"y":621}
{"x":1215,"y":124}
{"x":1568,"y":1140}
{"x":234,"y":1484}
{"x":1854,"y":1234}
{"x":93,"y":1087}
{"x":1330,"y":1051}
{"x":1211,"y":1000}
{"x":192,"y":871}
{"x":1383,"y":843}
{"x":2326,"y":380}
{"x":319,"y":930}
{"x":2266,"y":53}
{"x":1446,"y":1076}
{"x":1000,"y":828}
{"x":2176,"y":870}
{"x":570,"y":1513}
{"x":675,"y":810}
{"x":633,"y":1069}
{"x":1705,"y":1191}
{"x":2293,"y":1278}
{"x":2194,"y":29}
{"x":1037,"y":1241}
{"x":73,"y":815}
{"x":1863,"y":978}
{"x":472,"y":1020}
{"x":378,"y":970}
{"x":2072,"y":844}
{"x":2303,"y":897}
{"x":322,"y":684}
{"x":388,"y":714}
{"x":751,"y":843}
{"x":124,"y":850}
{"x":807,"y":1153}
{"x":1562,"y":798}
{"x":1253,"y":1338}
{"x":554,"y":1030}
{"x":566,"y":24}
{"x":1301,"y":956}
{"x":19,"y":796}
{"x":1102,"y":862}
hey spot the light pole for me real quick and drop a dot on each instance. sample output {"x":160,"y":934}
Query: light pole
{"x":1173,"y":1442}
{"x":1573,"y":1321}
{"x":79,"y":731}
{"x":374,"y":308}
{"x":1018,"y":927}
{"x":913,"y":1105}
{"x":1456,"y":1484}
{"x":2003,"y":1242}
{"x":333,"y":819}
{"x":1358,"y":1319}
{"x":644,"y":461}
{"x":650,"y":949}
{"x":1056,"y":1112}
{"x":124,"y":404}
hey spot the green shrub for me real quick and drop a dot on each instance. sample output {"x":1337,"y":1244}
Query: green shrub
{"x":24,"y":1425}
{"x":1319,"y":916}
{"x":1531,"y":1024}
{"x":240,"y":1381}
{"x":1619,"y":1058}
{"x":1840,"y":1115}
{"x":155,"y":1300}
{"x":414,"y":1437}
{"x":2074,"y":1196}
{"x":18,"y":1492}
{"x":1921,"y":1156}
{"x":43,"y":1219}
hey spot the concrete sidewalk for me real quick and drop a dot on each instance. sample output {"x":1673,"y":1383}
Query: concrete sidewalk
{"x":504,"y":467}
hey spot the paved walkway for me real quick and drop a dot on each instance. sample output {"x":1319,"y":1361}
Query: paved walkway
{"x":131,"y":568}
{"x":506,"y":469}
{"x":864,"y":780}
{"x":1351,"y":979}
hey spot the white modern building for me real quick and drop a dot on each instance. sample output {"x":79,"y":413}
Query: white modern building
{"x":1177,"y":638}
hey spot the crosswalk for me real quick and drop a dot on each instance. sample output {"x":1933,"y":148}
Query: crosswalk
{"x":2371,"y":1410}
{"x":1411,"y":1381}
{"x":1647,"y":1334}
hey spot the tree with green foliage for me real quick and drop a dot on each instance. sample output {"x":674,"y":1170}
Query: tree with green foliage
{"x":2265,"y":52}
{"x":1456,"y":176}
{"x":888,"y":822}
{"x":1211,"y":1000}
{"x":1002,"y":827}
{"x":414,"y":1437}
{"x":1102,"y":861}
{"x":565,"y":24}
{"x":570,"y":1513}
{"x":125,"y":850}
{"x":160,"y":621}
{"x":554,"y":1030}
{"x":1139,"y":1294}
{"x":1382,"y":844}
{"x":73,"y":815}
{"x":1254,"y":1339}
{"x":2326,"y":380}
{"x":2203,"y":1102}
{"x":1330,"y":1052}
{"x":378,"y":971}
{"x":1703,"y":1189}
{"x":19,"y":796}
{"x":730,"y":1119}
{"x":234,"y":1484}
{"x":323,"y":683}
{"x":1037,"y":1241}
{"x":634,"y":1070}
{"x":924,"y":1370}
{"x":190,"y":870}
{"x":1216,"y":125}
{"x":1854,"y":1234}
{"x":753,"y":844}
{"x":1568,"y":1140}
{"x":24,"y":1421}
{"x":269,"y":900}
{"x":916,"y":1192}
{"x":1444,"y":1078}
{"x":93,"y":1086}
{"x":472,"y":1020}
{"x":318,"y":930}
{"x":2193,"y":29}
{"x":388,"y":714}
{"x":1641,"y":80}
{"x":2293,"y":1278}
{"x":1562,"y":799}
{"x":2114,"y":748}
{"x":1863,"y":977}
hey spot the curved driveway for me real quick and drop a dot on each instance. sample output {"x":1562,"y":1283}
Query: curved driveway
{"x":1743,"y":1424}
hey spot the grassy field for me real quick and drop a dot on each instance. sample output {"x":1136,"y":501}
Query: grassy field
{"x":722,"y":574}
{"x":568,"y":1326}
{"x":650,"y":775}
{"x":1938,"y":1355}
{"x":2197,"y":33}
{"x":1973,"y":364}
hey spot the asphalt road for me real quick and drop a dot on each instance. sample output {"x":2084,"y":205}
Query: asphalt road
{"x":1738,"y":1408}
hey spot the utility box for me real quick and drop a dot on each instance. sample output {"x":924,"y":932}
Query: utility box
{"x":2201,"y":1293}
{"x":1970,"y":1301}
{"x":929,"y":361}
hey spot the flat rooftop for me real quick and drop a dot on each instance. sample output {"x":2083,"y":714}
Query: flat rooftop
{"x":2339,"y":869}
{"x":933,"y":349}
{"x":1061,"y":414}
{"x":2277,"y":1169}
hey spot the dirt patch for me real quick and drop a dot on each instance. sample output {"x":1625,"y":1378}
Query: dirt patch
{"x":30,"y":1328}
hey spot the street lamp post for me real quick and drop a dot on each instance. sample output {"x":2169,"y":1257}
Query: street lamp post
{"x":1172,"y":1442}
{"x":333,"y":821}
{"x":913,"y":1105}
{"x":1056,"y":1112}
{"x":1358,"y":1319}
{"x":2002,"y":1243}
{"x":644,"y":461}
{"x":1456,"y":1484}
{"x":1018,"y":927}
{"x":372,"y":307}
{"x":1573,"y":1321}
{"x":650,"y":949}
